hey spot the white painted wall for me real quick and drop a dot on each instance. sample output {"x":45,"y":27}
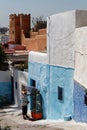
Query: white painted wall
{"x":81,"y":39}
{"x":21,"y":77}
{"x":61,"y":36}
{"x":60,"y":45}
{"x":81,"y":18}
{"x":38,"y":57}
{"x":81,"y":56}
{"x":81,"y":69}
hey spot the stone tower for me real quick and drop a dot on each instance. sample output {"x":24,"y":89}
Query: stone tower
{"x":16,"y":24}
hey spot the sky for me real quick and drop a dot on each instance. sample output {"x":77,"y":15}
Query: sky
{"x":37,"y":8}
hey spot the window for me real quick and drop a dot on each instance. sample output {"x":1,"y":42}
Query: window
{"x":60,"y":93}
{"x":32,"y":82}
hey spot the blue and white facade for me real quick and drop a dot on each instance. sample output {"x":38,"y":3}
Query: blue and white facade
{"x":20,"y":78}
{"x":56,"y":72}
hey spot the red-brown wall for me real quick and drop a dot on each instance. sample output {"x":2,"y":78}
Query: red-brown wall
{"x":20,"y":33}
{"x":36,"y":42}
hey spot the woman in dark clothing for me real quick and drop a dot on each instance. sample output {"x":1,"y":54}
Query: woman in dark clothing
{"x":24,"y":103}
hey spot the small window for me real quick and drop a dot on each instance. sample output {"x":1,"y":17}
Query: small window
{"x":60,"y":93}
{"x":32,"y":82}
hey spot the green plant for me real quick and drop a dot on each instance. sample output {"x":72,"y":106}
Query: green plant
{"x":38,"y":23}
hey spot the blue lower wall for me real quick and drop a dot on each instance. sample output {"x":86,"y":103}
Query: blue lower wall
{"x":62,"y":77}
{"x":80,"y":108}
{"x":48,"y":78}
{"x":40,"y":73}
{"x":5,"y":93}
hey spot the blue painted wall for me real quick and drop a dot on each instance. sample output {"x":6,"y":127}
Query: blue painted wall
{"x":5,"y":93}
{"x":63,"y":77}
{"x":48,"y":78}
{"x":40,"y":73}
{"x":80,"y":109}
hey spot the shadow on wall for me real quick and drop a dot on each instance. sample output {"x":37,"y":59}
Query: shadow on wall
{"x":80,"y":103}
{"x":4,"y":100}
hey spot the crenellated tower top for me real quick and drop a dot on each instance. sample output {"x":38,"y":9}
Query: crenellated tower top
{"x":16,"y":24}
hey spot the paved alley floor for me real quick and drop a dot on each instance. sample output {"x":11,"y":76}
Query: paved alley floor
{"x":12,"y":117}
